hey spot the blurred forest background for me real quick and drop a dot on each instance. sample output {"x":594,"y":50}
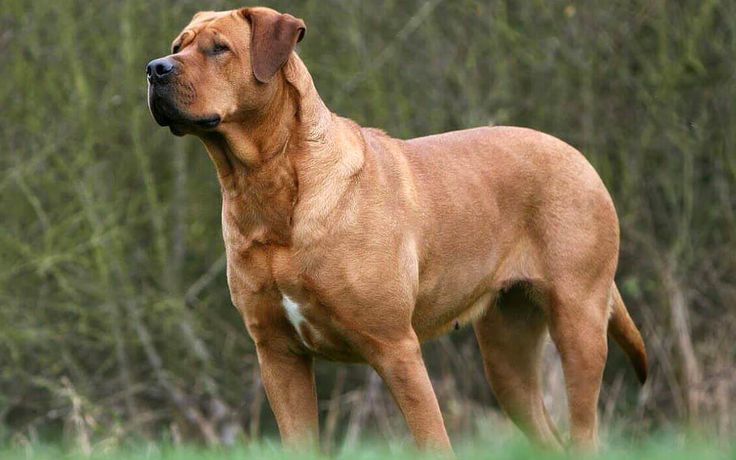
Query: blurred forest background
{"x":115,"y":319}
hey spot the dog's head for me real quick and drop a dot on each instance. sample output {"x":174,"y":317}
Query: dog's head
{"x":221,"y":68}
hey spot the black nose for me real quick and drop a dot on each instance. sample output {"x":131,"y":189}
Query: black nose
{"x":159,"y":68}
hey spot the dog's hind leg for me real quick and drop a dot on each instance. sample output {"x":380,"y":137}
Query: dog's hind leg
{"x":578,"y":324}
{"x":511,"y":337}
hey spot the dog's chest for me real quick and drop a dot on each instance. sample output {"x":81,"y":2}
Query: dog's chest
{"x":285,"y":272}
{"x":312,"y":326}
{"x":308,"y":331}
{"x":303,"y":309}
{"x":258,"y":257}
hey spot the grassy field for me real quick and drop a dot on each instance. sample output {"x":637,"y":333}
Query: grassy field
{"x":664,"y":448}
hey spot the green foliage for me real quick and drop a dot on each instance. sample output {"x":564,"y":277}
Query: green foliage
{"x":114,"y":314}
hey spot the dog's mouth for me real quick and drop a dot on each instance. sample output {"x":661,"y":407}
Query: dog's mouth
{"x":168,"y":114}
{"x":208,"y":122}
{"x":181,"y":126}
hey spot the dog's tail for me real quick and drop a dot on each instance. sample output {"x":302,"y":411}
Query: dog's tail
{"x":624,"y":332}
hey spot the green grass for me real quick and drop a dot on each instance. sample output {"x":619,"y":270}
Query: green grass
{"x":664,"y":448}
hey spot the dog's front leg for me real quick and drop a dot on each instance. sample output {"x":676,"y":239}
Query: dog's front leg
{"x":288,"y":379}
{"x":286,"y":373}
{"x":400,"y":364}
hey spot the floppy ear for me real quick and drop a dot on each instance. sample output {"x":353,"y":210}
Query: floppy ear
{"x":273,"y":38}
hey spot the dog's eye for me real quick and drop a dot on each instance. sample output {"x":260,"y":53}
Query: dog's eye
{"x":219,"y":48}
{"x":175,"y":49}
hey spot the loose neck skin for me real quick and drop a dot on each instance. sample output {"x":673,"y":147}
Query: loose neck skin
{"x":245,"y":144}
{"x":286,"y":153}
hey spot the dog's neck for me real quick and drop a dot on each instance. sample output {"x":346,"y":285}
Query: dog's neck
{"x":246,"y":144}
{"x":268,"y":165}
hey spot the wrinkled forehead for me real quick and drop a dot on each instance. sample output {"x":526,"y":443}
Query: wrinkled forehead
{"x":221,"y":22}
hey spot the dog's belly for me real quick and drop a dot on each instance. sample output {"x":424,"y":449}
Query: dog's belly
{"x":452,"y":299}
{"x":446,"y":319}
{"x":457,"y":292}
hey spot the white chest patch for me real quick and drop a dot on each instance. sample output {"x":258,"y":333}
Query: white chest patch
{"x":301,"y":325}
{"x":292,"y":312}
{"x":295,"y":316}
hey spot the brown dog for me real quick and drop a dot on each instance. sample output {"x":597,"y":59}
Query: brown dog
{"x":345,"y":244}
